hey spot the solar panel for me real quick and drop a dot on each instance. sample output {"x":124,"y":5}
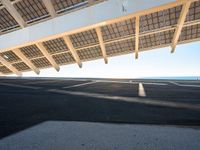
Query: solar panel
{"x":119,"y":29}
{"x":157,"y":39}
{"x":194,"y":12}
{"x":190,"y":32}
{"x":84,"y":38}
{"x":55,"y":46}
{"x":41,"y":62}
{"x":156,"y":30}
{"x":122,"y":47}
{"x":64,"y":58}
{"x":61,"y":6}
{"x":7,"y":22}
{"x":90,"y":53}
{"x":5,"y":70}
{"x":21,"y":66}
{"x":31,"y":10}
{"x":160,"y":19}
{"x":31,"y":51}
{"x":10,"y":56}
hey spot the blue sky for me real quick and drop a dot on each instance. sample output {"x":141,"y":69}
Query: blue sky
{"x":155,"y":63}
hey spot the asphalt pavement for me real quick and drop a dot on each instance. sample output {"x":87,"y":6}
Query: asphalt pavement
{"x":25,"y":103}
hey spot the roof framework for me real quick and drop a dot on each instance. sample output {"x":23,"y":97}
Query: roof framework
{"x":102,"y":45}
{"x":21,"y":13}
{"x":167,"y":25}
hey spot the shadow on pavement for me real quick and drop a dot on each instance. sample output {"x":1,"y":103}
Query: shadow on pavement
{"x":23,"y":108}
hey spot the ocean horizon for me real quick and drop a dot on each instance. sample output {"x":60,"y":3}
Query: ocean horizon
{"x":154,"y":78}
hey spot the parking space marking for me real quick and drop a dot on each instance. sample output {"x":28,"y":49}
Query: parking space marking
{"x":129,"y":82}
{"x":52,"y":81}
{"x":152,"y":83}
{"x":111,"y":81}
{"x":129,"y":99}
{"x":141,"y":90}
{"x":78,"y":85}
{"x":20,"y":86}
{"x":76,"y":80}
{"x":184,"y":85}
{"x":39,"y":82}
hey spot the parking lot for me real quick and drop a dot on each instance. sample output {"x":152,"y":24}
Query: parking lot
{"x":28,"y":102}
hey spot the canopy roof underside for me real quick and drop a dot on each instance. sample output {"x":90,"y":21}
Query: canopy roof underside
{"x":131,"y":34}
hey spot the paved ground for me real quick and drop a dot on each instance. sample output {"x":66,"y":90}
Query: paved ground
{"x":62,"y":135}
{"x":29,"y":102}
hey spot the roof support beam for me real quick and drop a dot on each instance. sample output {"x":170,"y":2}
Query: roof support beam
{"x":9,"y":66}
{"x":183,"y":14}
{"x":1,"y":33}
{"x":48,"y":56}
{"x":102,"y":45}
{"x":11,"y":9}
{"x":90,"y":2}
{"x":72,"y":50}
{"x":62,"y":26}
{"x":26,"y":60}
{"x":50,"y":8}
{"x":16,"y":1}
{"x":137,"y":32}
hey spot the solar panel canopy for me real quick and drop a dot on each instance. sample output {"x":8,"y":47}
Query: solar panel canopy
{"x":167,"y":25}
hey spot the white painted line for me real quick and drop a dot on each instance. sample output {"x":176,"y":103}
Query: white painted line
{"x":101,"y":81}
{"x":52,"y":81}
{"x":130,"y":82}
{"x":20,"y":86}
{"x":76,"y":79}
{"x":111,"y":81}
{"x":78,"y":85}
{"x":39,"y":82}
{"x":129,"y":99}
{"x":184,"y":85}
{"x":141,"y":91}
{"x":154,"y":83}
